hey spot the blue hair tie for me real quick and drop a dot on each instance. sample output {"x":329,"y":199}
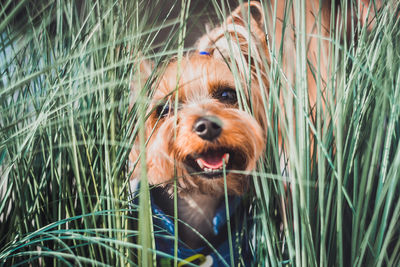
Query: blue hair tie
{"x":204,"y":53}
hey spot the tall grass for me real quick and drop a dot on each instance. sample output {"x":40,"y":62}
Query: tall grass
{"x":66,"y":130}
{"x":341,"y":207}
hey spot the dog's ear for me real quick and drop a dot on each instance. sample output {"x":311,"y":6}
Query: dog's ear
{"x":250,"y":15}
{"x":241,"y":36}
{"x":142,"y":74}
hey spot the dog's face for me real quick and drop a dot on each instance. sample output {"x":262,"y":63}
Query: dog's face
{"x":208,"y":135}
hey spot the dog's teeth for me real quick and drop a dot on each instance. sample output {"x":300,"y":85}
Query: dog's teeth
{"x":207,"y":170}
{"x":226,"y":158}
{"x":200,"y":163}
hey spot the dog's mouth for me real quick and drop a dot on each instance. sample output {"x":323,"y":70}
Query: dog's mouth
{"x":210,"y":164}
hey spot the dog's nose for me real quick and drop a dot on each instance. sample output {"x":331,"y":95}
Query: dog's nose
{"x":208,"y":128}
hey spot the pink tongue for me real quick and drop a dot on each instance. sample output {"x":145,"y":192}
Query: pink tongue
{"x":212,"y":161}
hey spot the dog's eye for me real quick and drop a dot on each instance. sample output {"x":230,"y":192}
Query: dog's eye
{"x":163,"y":110}
{"x":227,"y":96}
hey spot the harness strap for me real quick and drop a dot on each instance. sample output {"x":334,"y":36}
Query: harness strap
{"x":196,"y":259}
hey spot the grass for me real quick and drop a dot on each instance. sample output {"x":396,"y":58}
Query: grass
{"x":66,"y":130}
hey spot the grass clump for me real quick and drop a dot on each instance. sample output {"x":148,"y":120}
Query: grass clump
{"x":66,"y":130}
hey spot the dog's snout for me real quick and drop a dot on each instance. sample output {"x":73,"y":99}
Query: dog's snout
{"x":208,"y":128}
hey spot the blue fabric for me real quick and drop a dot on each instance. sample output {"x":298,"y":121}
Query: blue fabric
{"x":164,"y":234}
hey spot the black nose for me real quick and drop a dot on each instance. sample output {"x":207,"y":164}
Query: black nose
{"x":208,"y":128}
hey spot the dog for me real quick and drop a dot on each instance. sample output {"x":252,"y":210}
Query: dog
{"x":211,"y":143}
{"x":206,"y":141}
